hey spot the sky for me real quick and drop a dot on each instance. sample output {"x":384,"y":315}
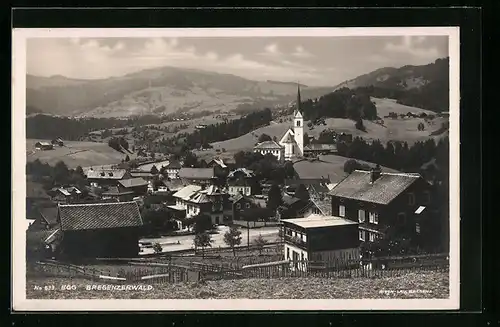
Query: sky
{"x":314,"y":61}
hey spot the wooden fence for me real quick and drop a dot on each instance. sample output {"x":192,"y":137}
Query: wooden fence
{"x":189,"y":269}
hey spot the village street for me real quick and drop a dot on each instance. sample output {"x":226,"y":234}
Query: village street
{"x":169,"y":243}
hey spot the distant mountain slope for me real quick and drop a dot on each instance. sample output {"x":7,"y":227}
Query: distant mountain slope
{"x":403,"y":78}
{"x":160,"y":90}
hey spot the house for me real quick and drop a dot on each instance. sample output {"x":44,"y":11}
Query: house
{"x":65,"y":194}
{"x":106,"y":177}
{"x":242,"y":181}
{"x":200,"y":176}
{"x":219,"y":166}
{"x":208,"y":201}
{"x":291,"y":207}
{"x":172,"y":170}
{"x":182,"y":197}
{"x":137,"y":186}
{"x":141,"y":174}
{"x":291,"y":144}
{"x":106,"y":230}
{"x":386,"y":205}
{"x":46,"y":218}
{"x":42,"y":145}
{"x":320,"y":240}
{"x":58,"y":141}
{"x":117,"y":194}
{"x":271,"y":147}
{"x":241,"y":207}
{"x":314,"y":149}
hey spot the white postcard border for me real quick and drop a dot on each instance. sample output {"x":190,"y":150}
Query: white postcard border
{"x":19,"y":301}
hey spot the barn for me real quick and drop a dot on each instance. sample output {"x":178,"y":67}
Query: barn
{"x":106,"y":230}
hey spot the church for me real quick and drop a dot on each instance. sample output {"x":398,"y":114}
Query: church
{"x":291,"y":144}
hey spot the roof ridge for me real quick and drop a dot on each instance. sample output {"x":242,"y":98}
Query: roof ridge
{"x":92,"y":204}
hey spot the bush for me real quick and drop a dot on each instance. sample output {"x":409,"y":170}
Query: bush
{"x":157,"y":247}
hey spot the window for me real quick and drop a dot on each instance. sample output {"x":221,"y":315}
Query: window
{"x":417,"y":228}
{"x":427,"y":197}
{"x":342,"y":211}
{"x":373,"y":217}
{"x":238,"y":206}
{"x":298,"y":123}
{"x":247,"y":205}
{"x":411,"y":199}
{"x":361,"y":235}
{"x":372,"y":237}
{"x":302,"y":256}
{"x":361,"y":215}
{"x":293,"y":149}
{"x":287,"y":253}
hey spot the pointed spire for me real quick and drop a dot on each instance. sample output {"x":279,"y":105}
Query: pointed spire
{"x":298,"y":97}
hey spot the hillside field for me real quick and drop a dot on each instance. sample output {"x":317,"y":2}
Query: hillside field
{"x":401,"y":129}
{"x":75,"y":153}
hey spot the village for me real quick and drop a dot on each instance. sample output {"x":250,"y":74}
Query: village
{"x":164,"y":220}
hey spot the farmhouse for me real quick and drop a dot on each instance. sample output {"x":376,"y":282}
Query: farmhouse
{"x":200,"y":176}
{"x":65,"y":194}
{"x":209,"y":201}
{"x":117,"y":194}
{"x":141,"y":174}
{"x":172,"y":170}
{"x":242,"y":181}
{"x":42,"y":145}
{"x":137,"y":186}
{"x":241,"y":207}
{"x":106,"y":177}
{"x":291,"y":144}
{"x":322,"y":239}
{"x":105,"y":230}
{"x":58,"y":141}
{"x":317,"y":149}
{"x":221,"y":169}
{"x":183,"y":195}
{"x":385,"y":204}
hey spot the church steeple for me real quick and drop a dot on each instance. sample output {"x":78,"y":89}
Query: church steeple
{"x":298,"y":99}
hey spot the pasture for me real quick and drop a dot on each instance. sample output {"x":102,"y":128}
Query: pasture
{"x":400,"y":129}
{"x":76,"y":153}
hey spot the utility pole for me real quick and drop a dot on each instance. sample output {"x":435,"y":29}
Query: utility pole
{"x":248,"y":234}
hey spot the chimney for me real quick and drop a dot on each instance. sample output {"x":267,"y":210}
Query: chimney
{"x":375,"y":173}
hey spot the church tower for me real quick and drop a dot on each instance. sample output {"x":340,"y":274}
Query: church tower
{"x":298,"y":126}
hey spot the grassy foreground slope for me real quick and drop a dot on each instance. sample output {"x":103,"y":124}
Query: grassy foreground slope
{"x":423,"y":284}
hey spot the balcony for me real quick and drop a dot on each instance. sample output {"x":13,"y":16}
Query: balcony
{"x":296,"y":241}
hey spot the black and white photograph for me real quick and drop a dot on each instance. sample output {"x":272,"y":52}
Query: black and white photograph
{"x":236,"y":169}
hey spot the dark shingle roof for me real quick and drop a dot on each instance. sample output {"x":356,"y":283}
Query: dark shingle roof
{"x":114,"y":191}
{"x":99,"y":215}
{"x":197,"y":173}
{"x":174,"y":164}
{"x":320,"y":147}
{"x":385,"y":189}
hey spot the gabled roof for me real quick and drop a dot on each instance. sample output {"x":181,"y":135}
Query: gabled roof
{"x":246,"y":173}
{"x":318,"y":221}
{"x":186,"y":192}
{"x":141,"y":174}
{"x":289,"y":139}
{"x":49,"y":214}
{"x":197,"y":173}
{"x":174,"y":184}
{"x":267,"y":145}
{"x":235,"y":198}
{"x":44,"y":143}
{"x":174,"y":164}
{"x":115,"y":174}
{"x":114,"y":191}
{"x":218,"y":162}
{"x":133,"y":182}
{"x":99,"y":215}
{"x":67,"y":191}
{"x":386,"y":188}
